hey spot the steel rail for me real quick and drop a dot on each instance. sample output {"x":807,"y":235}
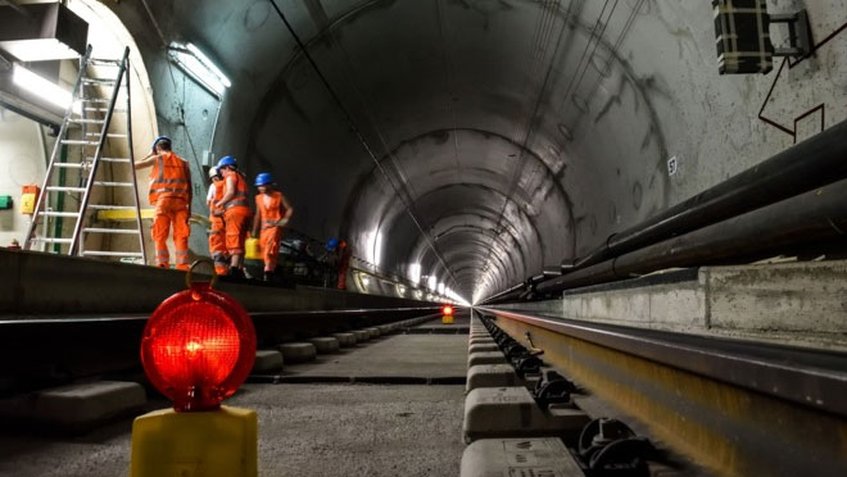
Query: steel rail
{"x":739,"y":408}
{"x":44,"y":350}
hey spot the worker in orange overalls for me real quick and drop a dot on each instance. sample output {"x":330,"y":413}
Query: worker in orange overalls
{"x":272,"y":213}
{"x":235,"y":205}
{"x":217,"y":231}
{"x":170,"y":193}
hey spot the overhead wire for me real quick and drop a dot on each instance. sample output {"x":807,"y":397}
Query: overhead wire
{"x":548,"y":9}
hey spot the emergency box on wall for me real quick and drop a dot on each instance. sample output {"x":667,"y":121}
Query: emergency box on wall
{"x":5,"y":202}
{"x":29,"y":197}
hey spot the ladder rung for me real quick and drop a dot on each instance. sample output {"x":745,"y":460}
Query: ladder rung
{"x":113,"y":184}
{"x":69,"y":165}
{"x":118,"y":135}
{"x":110,"y":207}
{"x":124,"y":160}
{"x":77,"y":142}
{"x":104,"y":110}
{"x":95,"y":230}
{"x":103,"y":61}
{"x":103,"y":253}
{"x":52,"y":240}
{"x":65,"y":189}
{"x":103,"y":81}
{"x":96,"y":100}
{"x":50,"y":213}
{"x":86,"y":121}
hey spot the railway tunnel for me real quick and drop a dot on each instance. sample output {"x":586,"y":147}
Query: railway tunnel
{"x":636,"y":207}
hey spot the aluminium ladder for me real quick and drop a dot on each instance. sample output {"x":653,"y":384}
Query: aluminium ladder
{"x":77,"y":157}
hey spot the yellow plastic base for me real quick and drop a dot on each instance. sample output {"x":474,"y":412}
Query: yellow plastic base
{"x":447,"y":320}
{"x":220,"y":443}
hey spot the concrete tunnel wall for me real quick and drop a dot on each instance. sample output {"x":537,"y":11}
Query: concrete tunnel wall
{"x":499,"y":137}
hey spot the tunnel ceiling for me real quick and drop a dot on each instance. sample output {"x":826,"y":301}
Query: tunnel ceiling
{"x":485,"y":140}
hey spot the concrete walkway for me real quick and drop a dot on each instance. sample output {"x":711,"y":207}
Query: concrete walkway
{"x":309,"y":429}
{"x":397,"y":357}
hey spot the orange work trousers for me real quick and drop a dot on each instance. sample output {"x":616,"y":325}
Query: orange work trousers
{"x":171,"y":211}
{"x":236,"y":220}
{"x":269,"y":239}
{"x":217,"y":245}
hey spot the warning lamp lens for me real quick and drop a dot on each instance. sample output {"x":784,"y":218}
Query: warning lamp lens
{"x":447,"y":310}
{"x":198,"y":348}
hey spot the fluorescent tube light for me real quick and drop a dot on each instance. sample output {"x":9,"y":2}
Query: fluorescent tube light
{"x":40,"y":87}
{"x":199,"y":67}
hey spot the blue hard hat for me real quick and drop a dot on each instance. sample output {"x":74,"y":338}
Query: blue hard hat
{"x":160,"y":139}
{"x":263,"y":179}
{"x":227,"y":161}
{"x":332,"y":244}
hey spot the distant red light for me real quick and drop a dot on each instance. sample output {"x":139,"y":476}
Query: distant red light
{"x":447,"y":310}
{"x":198,"y":347}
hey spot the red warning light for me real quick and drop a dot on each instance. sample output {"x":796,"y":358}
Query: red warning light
{"x":447,"y":310}
{"x":198,"y":347}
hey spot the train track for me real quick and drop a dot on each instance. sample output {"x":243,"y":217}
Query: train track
{"x":39,"y":351}
{"x":734,"y":407}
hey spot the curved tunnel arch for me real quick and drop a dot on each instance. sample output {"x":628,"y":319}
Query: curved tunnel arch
{"x":592,"y":153}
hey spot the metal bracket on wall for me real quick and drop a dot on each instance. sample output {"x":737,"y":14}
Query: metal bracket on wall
{"x":799,"y":34}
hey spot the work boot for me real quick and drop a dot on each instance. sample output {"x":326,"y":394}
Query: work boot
{"x":236,"y":273}
{"x":269,"y":276}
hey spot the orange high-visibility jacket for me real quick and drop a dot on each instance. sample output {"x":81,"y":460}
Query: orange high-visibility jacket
{"x":241,"y":189}
{"x":272,"y":210}
{"x":170,"y":177}
{"x":218,"y":189}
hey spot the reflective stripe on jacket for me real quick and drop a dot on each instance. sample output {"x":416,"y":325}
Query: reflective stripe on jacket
{"x":170,"y":177}
{"x":270,"y":208}
{"x":240,"y":197}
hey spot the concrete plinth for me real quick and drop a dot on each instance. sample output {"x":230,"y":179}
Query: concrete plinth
{"x":325,"y":344}
{"x":372,"y":332}
{"x":519,"y":457}
{"x":267,"y":361}
{"x":491,"y":357}
{"x":483,"y":348}
{"x":511,"y":412}
{"x":491,"y":376}
{"x":81,"y":406}
{"x":478,"y":340}
{"x":361,"y":336}
{"x":345,"y":339}
{"x":298,"y":352}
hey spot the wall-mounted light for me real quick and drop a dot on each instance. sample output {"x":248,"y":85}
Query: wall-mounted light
{"x":415,"y":273}
{"x":199,"y":67}
{"x":432,"y":282}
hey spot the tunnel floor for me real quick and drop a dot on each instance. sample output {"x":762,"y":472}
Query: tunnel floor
{"x":320,"y":428}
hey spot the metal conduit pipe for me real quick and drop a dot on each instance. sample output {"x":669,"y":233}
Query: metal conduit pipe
{"x":815,"y":162}
{"x":785,"y":227}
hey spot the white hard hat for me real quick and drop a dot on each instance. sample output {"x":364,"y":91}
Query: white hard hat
{"x":213,"y":172}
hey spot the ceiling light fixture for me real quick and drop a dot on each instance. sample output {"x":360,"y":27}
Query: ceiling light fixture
{"x":199,"y":67}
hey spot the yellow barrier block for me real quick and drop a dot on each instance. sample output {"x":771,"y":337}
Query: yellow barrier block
{"x":221,"y":443}
{"x":123,"y":215}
